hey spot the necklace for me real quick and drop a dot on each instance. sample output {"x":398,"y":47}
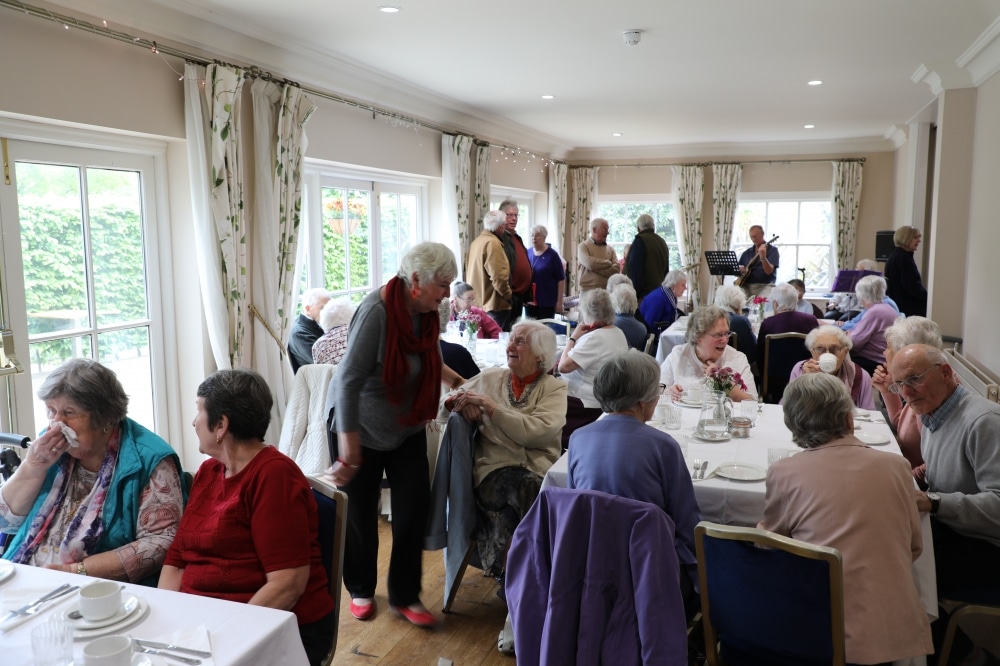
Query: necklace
{"x":523,"y":400}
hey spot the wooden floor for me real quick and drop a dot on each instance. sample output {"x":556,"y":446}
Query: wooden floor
{"x":467,"y":635}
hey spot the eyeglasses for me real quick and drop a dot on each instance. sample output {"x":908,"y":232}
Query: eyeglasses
{"x":719,"y":336}
{"x":833,"y":349}
{"x":470,"y":299}
{"x":663,"y":389}
{"x":910,"y":382}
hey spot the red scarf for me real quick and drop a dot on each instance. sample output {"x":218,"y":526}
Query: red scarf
{"x":400,"y":341}
{"x":517,"y":385}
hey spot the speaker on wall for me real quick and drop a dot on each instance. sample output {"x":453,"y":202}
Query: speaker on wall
{"x":884,"y":244}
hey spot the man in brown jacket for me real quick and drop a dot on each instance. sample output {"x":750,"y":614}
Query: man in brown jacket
{"x":488,"y":270}
{"x":596,"y":259}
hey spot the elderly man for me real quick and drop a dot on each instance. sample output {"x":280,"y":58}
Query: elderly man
{"x":488,"y":269}
{"x":960,"y":443}
{"x":306,"y":329}
{"x":759,"y":263}
{"x":648,"y":261}
{"x":595,"y":258}
{"x":520,"y":264}
{"x":659,"y":309}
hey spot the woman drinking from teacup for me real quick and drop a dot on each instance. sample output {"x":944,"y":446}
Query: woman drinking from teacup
{"x":830,"y":348}
{"x":707,"y":347}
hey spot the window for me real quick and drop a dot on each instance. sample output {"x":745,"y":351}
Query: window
{"x":524,"y":217}
{"x":804,"y":225}
{"x":621,"y":217}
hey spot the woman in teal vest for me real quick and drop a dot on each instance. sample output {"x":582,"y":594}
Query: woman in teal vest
{"x":96,"y":494}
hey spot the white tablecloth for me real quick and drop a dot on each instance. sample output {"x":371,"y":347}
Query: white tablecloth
{"x":672,"y":336}
{"x":240,"y":634}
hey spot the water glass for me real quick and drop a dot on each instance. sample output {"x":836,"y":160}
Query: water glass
{"x":52,"y":643}
{"x":504,"y":339}
{"x":748,"y":409}
{"x":682,"y":441}
{"x":670,"y":414}
{"x":774,"y":455}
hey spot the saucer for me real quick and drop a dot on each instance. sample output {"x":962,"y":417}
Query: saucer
{"x":130,"y":604}
{"x":80,"y":634}
{"x":707,"y":438}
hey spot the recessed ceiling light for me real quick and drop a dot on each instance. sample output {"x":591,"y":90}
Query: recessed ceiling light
{"x":816,"y":83}
{"x":548,"y":96}
{"x":616,"y":134}
{"x":809,"y":126}
{"x":388,"y":9}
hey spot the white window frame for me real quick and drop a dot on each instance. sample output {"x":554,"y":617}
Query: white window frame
{"x":525,"y":202}
{"x":666,"y":198}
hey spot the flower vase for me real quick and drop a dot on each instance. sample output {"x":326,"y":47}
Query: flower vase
{"x":470,"y":340}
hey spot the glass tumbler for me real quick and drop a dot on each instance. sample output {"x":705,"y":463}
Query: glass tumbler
{"x":52,"y":643}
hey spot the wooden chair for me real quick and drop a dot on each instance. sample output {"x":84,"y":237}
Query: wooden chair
{"x":768,"y":599}
{"x":648,"y":349}
{"x":566,"y":325}
{"x":332,"y":504}
{"x":781,"y":352}
{"x":963,"y":611}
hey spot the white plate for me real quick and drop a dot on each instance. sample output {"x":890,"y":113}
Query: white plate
{"x":141,"y":659}
{"x":872,"y":438}
{"x":124,"y":623}
{"x":741,"y":472}
{"x":6,"y":570}
{"x":130,"y":604}
{"x":686,"y":403}
{"x":703,"y":438}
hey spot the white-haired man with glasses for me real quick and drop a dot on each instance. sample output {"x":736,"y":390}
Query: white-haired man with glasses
{"x":960,"y":443}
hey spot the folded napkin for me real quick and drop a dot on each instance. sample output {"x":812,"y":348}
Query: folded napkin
{"x":196,"y":638}
{"x":14,"y":599}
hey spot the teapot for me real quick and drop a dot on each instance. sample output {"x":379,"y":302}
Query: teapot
{"x":713,"y":422}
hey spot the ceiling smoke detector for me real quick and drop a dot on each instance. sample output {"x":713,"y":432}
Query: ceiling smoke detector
{"x":632,"y":37}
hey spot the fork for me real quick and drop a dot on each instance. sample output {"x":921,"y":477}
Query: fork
{"x":695,"y":466}
{"x":184,"y":660}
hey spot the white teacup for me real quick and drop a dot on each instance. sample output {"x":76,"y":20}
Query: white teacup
{"x":692,"y":394}
{"x":827,"y":363}
{"x":108,"y":651}
{"x":100,"y":600}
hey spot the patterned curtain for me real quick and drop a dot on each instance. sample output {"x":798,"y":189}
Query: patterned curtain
{"x":725,"y":190}
{"x":280,"y":113}
{"x":481,"y":203}
{"x":456,"y":167}
{"x":689,"y":192}
{"x":846,"y":199}
{"x":580,"y":210}
{"x":557,"y":206}
{"x":212,"y":125}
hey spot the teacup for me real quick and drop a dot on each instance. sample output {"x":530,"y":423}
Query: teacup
{"x":692,"y":394}
{"x":100,"y":600}
{"x":108,"y":651}
{"x":827,"y":363}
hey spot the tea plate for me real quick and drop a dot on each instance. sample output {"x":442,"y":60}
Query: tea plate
{"x":740,"y":472}
{"x":873,"y":438}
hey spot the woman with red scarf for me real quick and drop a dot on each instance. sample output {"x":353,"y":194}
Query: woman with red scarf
{"x":386,"y":388}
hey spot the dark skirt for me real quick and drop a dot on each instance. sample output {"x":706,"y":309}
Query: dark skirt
{"x":502,"y":499}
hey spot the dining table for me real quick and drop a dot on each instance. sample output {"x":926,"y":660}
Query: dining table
{"x":236,"y":634}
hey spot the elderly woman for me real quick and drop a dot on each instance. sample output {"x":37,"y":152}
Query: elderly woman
{"x":96,"y":494}
{"x":548,"y":277}
{"x":902,"y":275}
{"x":593,"y":341}
{"x":623,"y":456}
{"x":333,"y":318}
{"x":707,"y":347}
{"x":868,"y":336}
{"x":731,"y":298}
{"x":659,"y":307}
{"x":841,"y":494}
{"x":259,"y":510}
{"x":829,"y":339}
{"x":462,"y":299}
{"x":520,"y":412}
{"x":624,"y":301}
{"x":786,"y":318}
{"x":386,"y":389}
{"x":906,"y":422}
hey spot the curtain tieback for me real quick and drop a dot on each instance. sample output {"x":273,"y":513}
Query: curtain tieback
{"x":267,"y":327}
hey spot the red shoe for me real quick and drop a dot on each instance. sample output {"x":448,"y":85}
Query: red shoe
{"x":363,"y":612}
{"x":418,"y":618}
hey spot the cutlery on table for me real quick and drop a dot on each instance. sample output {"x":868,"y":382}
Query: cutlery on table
{"x":704,"y":466}
{"x":695,"y":467}
{"x":42,"y":601}
{"x":175,"y":648}
{"x":139,"y":647}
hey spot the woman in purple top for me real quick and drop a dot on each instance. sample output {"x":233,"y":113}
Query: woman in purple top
{"x":868,"y":335}
{"x":786,"y":319}
{"x":548,"y":277}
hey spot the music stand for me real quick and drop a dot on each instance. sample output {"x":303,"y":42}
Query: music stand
{"x":847,"y":280}
{"x":722,"y":262}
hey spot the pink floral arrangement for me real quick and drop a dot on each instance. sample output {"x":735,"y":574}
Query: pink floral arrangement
{"x":471,"y":320}
{"x":724,"y":379}
{"x":759,"y":300}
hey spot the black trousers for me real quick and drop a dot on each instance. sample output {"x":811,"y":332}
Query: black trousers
{"x":540,"y":311}
{"x":407,"y":472}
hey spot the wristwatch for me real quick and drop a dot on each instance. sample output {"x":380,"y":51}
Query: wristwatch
{"x":81,"y":569}
{"x":935,"y":502}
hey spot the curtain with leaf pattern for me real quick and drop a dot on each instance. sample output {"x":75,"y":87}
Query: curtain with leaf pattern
{"x":456,"y":170}
{"x":580,"y":210}
{"x":557,"y":206}
{"x":481,"y":189}
{"x":725,"y":192}
{"x":689,"y":193}
{"x":846,"y":200}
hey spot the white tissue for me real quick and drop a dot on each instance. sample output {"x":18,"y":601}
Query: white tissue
{"x":68,"y":433}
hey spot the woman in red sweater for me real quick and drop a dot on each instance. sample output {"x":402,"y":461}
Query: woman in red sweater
{"x":250,"y":530}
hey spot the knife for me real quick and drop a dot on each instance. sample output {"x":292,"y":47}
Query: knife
{"x":40,"y":600}
{"x":174,"y":648}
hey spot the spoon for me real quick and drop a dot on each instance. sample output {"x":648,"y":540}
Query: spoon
{"x":77,"y":615}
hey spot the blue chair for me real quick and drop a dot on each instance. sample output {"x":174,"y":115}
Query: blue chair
{"x":332,"y":504}
{"x":781,"y":352}
{"x":767,"y":600}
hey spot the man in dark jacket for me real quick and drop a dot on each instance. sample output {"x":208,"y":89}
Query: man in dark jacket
{"x":306,"y":329}
{"x":648,"y":260}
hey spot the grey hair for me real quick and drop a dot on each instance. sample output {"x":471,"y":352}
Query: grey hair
{"x":542,"y":340}
{"x":868,"y":265}
{"x":617,"y":279}
{"x":627,"y":379}
{"x":597,"y":221}
{"x":871,"y":289}
{"x":493,"y":220}
{"x":842,"y":337}
{"x":702,"y":320}
{"x":429,"y":261}
{"x":816,"y":407}
{"x":507,"y":203}
{"x":913,"y":331}
{"x":459,"y":288}
{"x":905,"y":235}
{"x":624,"y":300}
{"x":336,"y":312}
{"x":784,"y":298}
{"x":595,"y":306}
{"x":674,"y":277}
{"x":645,"y":221}
{"x":313,"y":296}
{"x":92,"y":387}
{"x":730,"y":297}
{"x":539,"y":229}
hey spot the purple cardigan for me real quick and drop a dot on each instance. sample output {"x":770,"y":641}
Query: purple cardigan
{"x":868,"y":335}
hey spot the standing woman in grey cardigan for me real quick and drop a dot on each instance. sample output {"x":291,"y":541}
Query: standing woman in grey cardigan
{"x":386,"y":389}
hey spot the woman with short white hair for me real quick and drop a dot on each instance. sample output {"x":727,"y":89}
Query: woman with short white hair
{"x":786,"y":318}
{"x":659,"y":307}
{"x":868,"y":336}
{"x":333,"y":318}
{"x":903,"y":276}
{"x":624,"y":300}
{"x":548,"y":277}
{"x":593,"y":341}
{"x":731,"y":298}
{"x":828,"y":339}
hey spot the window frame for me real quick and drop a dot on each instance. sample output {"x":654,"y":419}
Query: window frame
{"x":654,"y":199}
{"x":528,"y":216}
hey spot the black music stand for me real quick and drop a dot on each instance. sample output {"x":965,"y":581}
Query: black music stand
{"x":722,"y":262}
{"x":847,"y":280}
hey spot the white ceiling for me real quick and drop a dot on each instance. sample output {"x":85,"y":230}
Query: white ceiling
{"x":709,"y":76}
